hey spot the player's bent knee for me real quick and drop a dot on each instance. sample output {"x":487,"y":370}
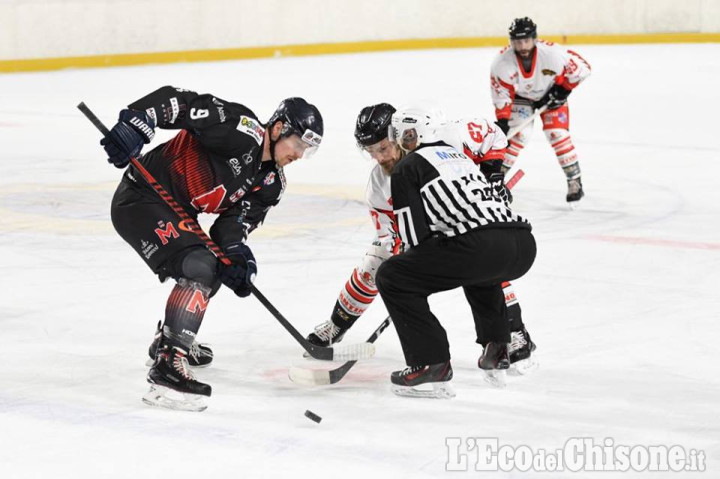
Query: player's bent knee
{"x":200,"y":266}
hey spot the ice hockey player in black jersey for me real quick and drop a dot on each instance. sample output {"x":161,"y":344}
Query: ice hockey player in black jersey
{"x":458,"y":232}
{"x":223,"y":161}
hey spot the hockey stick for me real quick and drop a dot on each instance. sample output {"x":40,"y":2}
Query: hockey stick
{"x":343,"y":353}
{"x":514,"y":131}
{"x":518,"y":128}
{"x":315,"y":377}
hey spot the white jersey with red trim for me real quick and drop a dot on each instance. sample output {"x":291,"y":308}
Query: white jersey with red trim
{"x":551,"y":64}
{"x":480,"y":139}
{"x":379,"y":201}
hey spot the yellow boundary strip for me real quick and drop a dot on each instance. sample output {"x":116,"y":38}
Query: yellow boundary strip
{"x":45,"y":64}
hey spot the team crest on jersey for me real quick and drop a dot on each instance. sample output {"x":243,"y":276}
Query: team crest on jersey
{"x":548,"y":72}
{"x":251,"y":127}
{"x":269,"y":179}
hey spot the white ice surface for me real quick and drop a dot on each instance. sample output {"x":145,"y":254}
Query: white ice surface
{"x":622,"y":301}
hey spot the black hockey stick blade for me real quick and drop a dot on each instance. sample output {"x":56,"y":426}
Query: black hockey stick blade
{"x":316,"y":377}
{"x":336,"y":353}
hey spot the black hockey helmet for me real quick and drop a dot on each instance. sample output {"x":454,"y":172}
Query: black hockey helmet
{"x":299,"y":118}
{"x":522,"y":28}
{"x":372,"y":124}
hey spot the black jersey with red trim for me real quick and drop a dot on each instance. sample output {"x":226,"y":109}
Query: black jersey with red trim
{"x":238,"y":221}
{"x":214,"y":160}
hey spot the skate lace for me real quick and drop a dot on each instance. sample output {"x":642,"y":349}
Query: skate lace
{"x":573,"y":186}
{"x":517,"y":340}
{"x":411,"y":369}
{"x":180,"y":363}
{"x":327,"y":331}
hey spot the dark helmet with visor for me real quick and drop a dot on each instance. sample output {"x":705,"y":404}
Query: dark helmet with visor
{"x":372,"y":124}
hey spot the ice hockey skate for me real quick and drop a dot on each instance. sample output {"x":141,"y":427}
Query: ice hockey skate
{"x":522,"y":361}
{"x":575,"y":192}
{"x":431,"y":381}
{"x":172,"y":385}
{"x":494,"y":362}
{"x":200,"y":355}
{"x":326,"y":334}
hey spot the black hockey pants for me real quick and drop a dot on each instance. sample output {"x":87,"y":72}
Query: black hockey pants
{"x":478,"y":261}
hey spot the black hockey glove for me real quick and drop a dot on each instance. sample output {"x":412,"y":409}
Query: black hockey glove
{"x":239,"y":275}
{"x":503,"y":125}
{"x":127,"y":137}
{"x":497,"y":182}
{"x":554,"y":98}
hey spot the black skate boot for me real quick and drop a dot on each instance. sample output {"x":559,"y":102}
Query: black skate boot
{"x":172,"y":385}
{"x":326,"y":334}
{"x":200,"y":353}
{"x":520,"y":352}
{"x":575,"y":191}
{"x":494,"y":361}
{"x":430,"y":381}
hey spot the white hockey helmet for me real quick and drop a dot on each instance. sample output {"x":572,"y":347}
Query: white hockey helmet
{"x":412,"y":125}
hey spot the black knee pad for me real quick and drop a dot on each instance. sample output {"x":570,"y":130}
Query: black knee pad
{"x":198,"y":264}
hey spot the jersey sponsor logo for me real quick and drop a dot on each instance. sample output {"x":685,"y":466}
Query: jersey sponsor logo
{"x":175,"y":109}
{"x":221,"y":111}
{"x":548,"y":72}
{"x":197,"y":303}
{"x":148,"y":249}
{"x":235,"y":166}
{"x":449,"y":155}
{"x":185,"y":226}
{"x":247,"y":158}
{"x":269,"y":179}
{"x":251,"y":127}
{"x":166,"y":231}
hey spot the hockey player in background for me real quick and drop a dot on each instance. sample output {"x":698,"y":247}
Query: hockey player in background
{"x":223,"y":161}
{"x":459,"y":232}
{"x":527,"y":75}
{"x":485,"y":144}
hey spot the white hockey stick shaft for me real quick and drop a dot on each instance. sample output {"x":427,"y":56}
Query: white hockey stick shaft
{"x":521,"y":126}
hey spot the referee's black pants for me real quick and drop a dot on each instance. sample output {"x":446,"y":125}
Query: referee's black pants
{"x":478,"y":261}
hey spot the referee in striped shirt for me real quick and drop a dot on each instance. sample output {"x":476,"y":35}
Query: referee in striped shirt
{"x":458,"y":232}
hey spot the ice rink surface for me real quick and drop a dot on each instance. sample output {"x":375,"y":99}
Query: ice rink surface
{"x":623,"y":300}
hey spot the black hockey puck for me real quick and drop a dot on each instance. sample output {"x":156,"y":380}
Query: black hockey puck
{"x":312,"y":416}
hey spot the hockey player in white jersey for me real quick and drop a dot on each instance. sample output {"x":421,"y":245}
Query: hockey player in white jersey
{"x":527,"y":75}
{"x":480,"y":140}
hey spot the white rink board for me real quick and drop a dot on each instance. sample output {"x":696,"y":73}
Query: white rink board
{"x":622,"y":301}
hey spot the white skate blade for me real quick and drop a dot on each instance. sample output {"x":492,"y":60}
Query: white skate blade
{"x":440,"y":390}
{"x":309,"y":377}
{"x":495,"y":377}
{"x":574,"y":205}
{"x":353,"y":352}
{"x":167,"y":398}
{"x":523,"y":367}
